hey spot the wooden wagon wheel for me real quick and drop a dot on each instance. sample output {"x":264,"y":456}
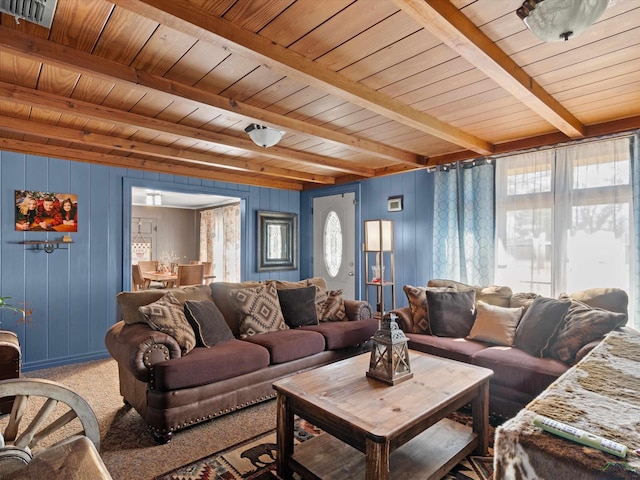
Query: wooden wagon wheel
{"x":25,"y":431}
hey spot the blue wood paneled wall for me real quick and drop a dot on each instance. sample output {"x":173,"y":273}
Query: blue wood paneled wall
{"x":413,"y":226}
{"x":72,"y":292}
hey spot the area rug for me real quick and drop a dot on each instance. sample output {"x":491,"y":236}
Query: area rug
{"x":254,"y":459}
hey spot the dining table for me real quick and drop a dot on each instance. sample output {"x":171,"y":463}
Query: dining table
{"x":168,"y":279}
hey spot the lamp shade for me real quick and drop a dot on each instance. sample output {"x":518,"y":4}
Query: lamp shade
{"x":264,"y":136}
{"x":378,"y":235}
{"x":555,"y":20}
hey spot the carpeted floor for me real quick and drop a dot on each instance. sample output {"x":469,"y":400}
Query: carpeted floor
{"x":129,"y":451}
{"x":255,"y":458}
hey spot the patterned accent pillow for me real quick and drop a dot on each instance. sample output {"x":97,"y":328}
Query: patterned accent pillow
{"x":333,"y":309}
{"x":260,"y":309}
{"x":321,"y":297}
{"x":417,"y":297}
{"x":583,"y":324}
{"x":167,"y":315}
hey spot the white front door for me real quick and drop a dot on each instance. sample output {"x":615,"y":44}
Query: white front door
{"x":334,"y":244}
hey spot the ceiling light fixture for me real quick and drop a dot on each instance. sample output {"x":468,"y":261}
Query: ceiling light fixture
{"x":555,"y":20}
{"x":264,"y":136}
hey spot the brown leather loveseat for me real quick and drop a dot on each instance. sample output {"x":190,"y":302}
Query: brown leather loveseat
{"x":233,"y":363}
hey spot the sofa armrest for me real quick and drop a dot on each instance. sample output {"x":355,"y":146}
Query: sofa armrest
{"x":405,"y":319}
{"x":357,"y":309}
{"x":137,"y":347}
{"x":591,"y":345}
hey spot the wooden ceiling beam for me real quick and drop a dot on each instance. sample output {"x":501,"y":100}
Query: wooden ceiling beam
{"x":65,"y":105}
{"x":547,"y":140}
{"x":196,"y":171}
{"x":443,"y":20}
{"x":188,"y":18}
{"x":28,"y":127}
{"x":23,"y":45}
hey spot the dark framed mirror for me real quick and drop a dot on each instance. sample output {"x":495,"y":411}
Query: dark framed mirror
{"x":277,"y":241}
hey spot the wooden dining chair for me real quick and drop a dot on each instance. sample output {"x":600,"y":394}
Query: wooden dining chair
{"x":138,"y":283}
{"x":148,"y":265}
{"x":192,"y":274}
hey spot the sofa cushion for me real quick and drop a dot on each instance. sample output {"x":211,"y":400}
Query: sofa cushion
{"x":522,"y":299}
{"x":493,"y":294}
{"x":288,"y":345}
{"x":298,"y":306}
{"x":494,"y":324}
{"x":451,"y":314}
{"x":540,"y":324}
{"x":259,"y":308}
{"x":208,"y":365}
{"x":612,"y":299}
{"x":220,"y":294}
{"x":345,"y":334}
{"x":207,"y":322}
{"x":519,"y":370}
{"x":417,"y":298}
{"x":459,"y":349}
{"x":583,"y":324}
{"x":167,"y":315}
{"x":129,"y":303}
{"x":333,"y":309}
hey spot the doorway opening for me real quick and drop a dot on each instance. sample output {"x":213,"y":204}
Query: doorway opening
{"x":170,"y":227}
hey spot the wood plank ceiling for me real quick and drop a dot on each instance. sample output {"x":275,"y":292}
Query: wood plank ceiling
{"x":362,"y":88}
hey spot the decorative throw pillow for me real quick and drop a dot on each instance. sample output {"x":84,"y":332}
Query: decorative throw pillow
{"x":417,"y":297}
{"x":522,"y":299}
{"x":583,"y":324}
{"x":260,"y":309}
{"x":611,"y":299}
{"x":207,"y":322}
{"x":540,"y":324}
{"x":167,"y":315}
{"x":333,"y":309}
{"x":321,"y":297}
{"x":451,"y":314}
{"x":298,"y":306}
{"x":494,"y":324}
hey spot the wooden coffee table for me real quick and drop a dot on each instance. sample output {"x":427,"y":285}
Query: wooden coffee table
{"x":397,"y":431}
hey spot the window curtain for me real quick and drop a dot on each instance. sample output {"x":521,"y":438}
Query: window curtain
{"x":220,"y":241}
{"x":634,"y":148}
{"x":463,"y":230}
{"x":564,"y":219}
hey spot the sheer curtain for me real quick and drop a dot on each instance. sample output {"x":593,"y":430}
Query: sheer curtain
{"x":564,"y":219}
{"x":220,"y":241}
{"x":463,"y":230}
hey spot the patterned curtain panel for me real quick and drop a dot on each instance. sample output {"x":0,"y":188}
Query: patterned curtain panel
{"x":463,"y":227}
{"x":220,"y":241}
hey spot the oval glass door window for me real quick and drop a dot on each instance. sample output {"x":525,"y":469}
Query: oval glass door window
{"x":332,"y":244}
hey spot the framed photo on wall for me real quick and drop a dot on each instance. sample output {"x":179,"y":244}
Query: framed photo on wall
{"x":394,"y":204}
{"x":46,"y":211}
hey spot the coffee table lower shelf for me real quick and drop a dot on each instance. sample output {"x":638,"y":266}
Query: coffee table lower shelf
{"x":428,"y":456}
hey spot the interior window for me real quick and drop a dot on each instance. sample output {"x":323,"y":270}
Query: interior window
{"x":563,"y":218}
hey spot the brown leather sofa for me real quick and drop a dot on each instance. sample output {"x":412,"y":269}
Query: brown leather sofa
{"x":172,"y":391}
{"x":519,"y":376}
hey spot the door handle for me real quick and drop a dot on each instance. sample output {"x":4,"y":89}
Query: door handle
{"x":350,"y":274}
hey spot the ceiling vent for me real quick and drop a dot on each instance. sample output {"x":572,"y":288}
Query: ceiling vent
{"x":39,"y":12}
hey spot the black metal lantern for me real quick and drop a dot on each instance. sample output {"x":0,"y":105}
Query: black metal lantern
{"x":389,"y":353}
